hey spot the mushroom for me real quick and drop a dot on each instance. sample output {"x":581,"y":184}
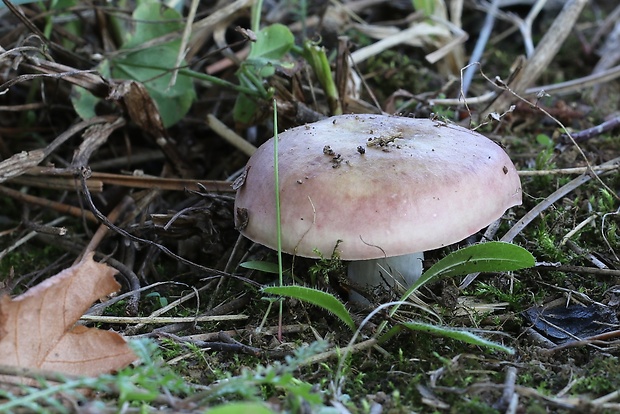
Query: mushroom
{"x":379,"y":189}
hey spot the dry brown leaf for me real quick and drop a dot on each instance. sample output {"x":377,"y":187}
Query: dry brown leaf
{"x":37,"y":328}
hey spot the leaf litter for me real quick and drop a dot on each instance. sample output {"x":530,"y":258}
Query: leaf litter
{"x":199,"y":226}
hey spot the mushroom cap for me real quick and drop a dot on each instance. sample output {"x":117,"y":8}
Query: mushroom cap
{"x":374,"y":186}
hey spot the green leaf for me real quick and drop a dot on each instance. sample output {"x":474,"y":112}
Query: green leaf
{"x":425,"y":6}
{"x":144,"y":66}
{"x":84,"y":102}
{"x":315,"y":297}
{"x":458,"y":334}
{"x":484,"y":257}
{"x":151,"y":66}
{"x":544,"y":140}
{"x":317,"y":58}
{"x":261,"y":266}
{"x":152,"y":20}
{"x":245,"y":109}
{"x":272,"y":42}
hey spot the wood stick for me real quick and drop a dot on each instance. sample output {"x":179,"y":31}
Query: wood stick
{"x":54,"y":205}
{"x":543,"y":55}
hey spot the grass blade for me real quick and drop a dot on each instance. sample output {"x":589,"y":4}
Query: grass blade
{"x":261,"y":266}
{"x":484,"y":257}
{"x":315,"y":297}
{"x":458,"y":334}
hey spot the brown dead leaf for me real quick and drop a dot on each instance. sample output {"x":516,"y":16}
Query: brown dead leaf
{"x":142,"y":109}
{"x":37,"y":328}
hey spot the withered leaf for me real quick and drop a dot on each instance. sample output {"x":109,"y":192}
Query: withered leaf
{"x":37,"y":328}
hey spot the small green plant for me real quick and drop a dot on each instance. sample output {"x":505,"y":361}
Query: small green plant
{"x":612,"y":234}
{"x":544,"y":161}
{"x":158,"y":299}
{"x":484,"y":257}
{"x":315,"y":55}
{"x":147,"y":65}
{"x":514,"y":298}
{"x":278,"y":375}
{"x":546,"y":240}
{"x":325,"y":269}
{"x":425,"y":6}
{"x":152,"y":378}
{"x":316,"y":297}
{"x":266,"y":53}
{"x":604,"y":202}
{"x":170,"y":349}
{"x":140,"y":384}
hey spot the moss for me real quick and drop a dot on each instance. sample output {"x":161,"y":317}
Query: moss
{"x":28,"y":260}
{"x":600,"y":376}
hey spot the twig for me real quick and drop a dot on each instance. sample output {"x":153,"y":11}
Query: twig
{"x":93,"y":138}
{"x":239,"y":302}
{"x":591,"y":132}
{"x":98,"y":308}
{"x":483,"y":38}
{"x":576,"y":229}
{"x":227,"y":344}
{"x":103,"y":229}
{"x":526,"y":26}
{"x":52,"y":230}
{"x":574,"y":85}
{"x":162,"y":248}
{"x":402,"y":36}
{"x":606,"y":26}
{"x":611,"y":249}
{"x":43,"y":202}
{"x":35,"y":373}
{"x":230,"y":136}
{"x":187,"y":32}
{"x":614,"y":395}
{"x":194,"y":294}
{"x":567,"y":171}
{"x":54,"y":183}
{"x":591,"y":340}
{"x":133,"y":181}
{"x":323,"y":356}
{"x":578,"y":269}
{"x":210,"y":336}
{"x":21,"y":162}
{"x":27,"y":237}
{"x":161,"y":319}
{"x":586,"y":254}
{"x":547,"y":202}
{"x":508,"y":395}
{"x":543,"y":54}
{"x":577,"y":85}
{"x":143,"y":155}
{"x":459,"y":37}
{"x":504,"y":86}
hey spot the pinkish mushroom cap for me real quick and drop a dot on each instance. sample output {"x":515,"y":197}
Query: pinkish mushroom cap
{"x":375,"y":186}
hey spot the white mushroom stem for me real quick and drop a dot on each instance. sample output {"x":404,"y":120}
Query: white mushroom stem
{"x":389,"y":272}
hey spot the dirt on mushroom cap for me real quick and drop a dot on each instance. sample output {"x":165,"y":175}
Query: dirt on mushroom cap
{"x":418,"y":184}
